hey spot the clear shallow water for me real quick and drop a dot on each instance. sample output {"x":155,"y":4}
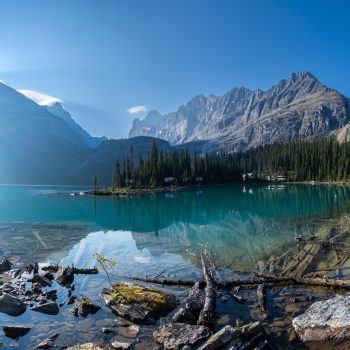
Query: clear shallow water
{"x":147,"y":234}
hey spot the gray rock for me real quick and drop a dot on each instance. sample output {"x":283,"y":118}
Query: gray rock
{"x":220,"y":338}
{"x":174,"y":336}
{"x":41,"y":280}
{"x":134,"y":312}
{"x":65,"y":276}
{"x":86,"y":346}
{"x":184,"y":316}
{"x":50,"y":308}
{"x":195,"y":300}
{"x":48,"y":343}
{"x":85,"y":308}
{"x":121,"y":345}
{"x":15,"y":332}
{"x":11,"y":306}
{"x":324,"y":320}
{"x":5,"y":265}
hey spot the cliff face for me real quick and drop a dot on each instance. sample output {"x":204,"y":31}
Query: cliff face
{"x":297,"y":108}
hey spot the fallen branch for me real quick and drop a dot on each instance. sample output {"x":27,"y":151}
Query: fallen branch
{"x":261,"y":297}
{"x":55,"y":268}
{"x":322,"y":282}
{"x":162,"y":281}
{"x":208,"y":312}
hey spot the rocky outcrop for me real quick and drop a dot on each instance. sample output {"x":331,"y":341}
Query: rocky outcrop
{"x":325,"y":320}
{"x":296,"y":108}
{"x":175,"y":336}
{"x":15,"y":332}
{"x":11,"y":306}
{"x":50,"y":308}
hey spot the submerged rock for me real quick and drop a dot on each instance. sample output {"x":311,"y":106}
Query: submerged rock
{"x":48,"y":343}
{"x":15,"y":332}
{"x":11,"y":306}
{"x":50,"y":308}
{"x":220,"y":338}
{"x":325,"y":320}
{"x":138,"y":303}
{"x":184,"y":316}
{"x":175,"y":336}
{"x":65,"y":276}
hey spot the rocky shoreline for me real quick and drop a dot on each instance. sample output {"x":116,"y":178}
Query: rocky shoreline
{"x":275,"y":311}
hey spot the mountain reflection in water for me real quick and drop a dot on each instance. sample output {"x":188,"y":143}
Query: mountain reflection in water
{"x":233,"y":221}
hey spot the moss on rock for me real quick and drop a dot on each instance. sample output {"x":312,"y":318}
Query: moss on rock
{"x":132,"y":293}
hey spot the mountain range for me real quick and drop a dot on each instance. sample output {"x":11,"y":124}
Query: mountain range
{"x":44,"y":145}
{"x":299,"y":107}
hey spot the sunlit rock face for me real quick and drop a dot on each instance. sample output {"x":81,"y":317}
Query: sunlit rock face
{"x":296,"y":108}
{"x":325,"y":320}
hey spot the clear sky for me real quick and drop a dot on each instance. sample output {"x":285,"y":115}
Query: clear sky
{"x":102,"y":57}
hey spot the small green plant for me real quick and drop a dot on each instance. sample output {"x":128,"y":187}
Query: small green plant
{"x":106,"y":264}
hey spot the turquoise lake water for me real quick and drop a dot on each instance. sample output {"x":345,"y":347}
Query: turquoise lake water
{"x":148,"y":234}
{"x":46,"y":223}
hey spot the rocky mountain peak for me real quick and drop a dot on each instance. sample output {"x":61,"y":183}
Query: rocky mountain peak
{"x":295,"y":108}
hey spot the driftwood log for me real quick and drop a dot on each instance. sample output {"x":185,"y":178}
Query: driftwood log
{"x":207,"y":314}
{"x":261,"y":297}
{"x":55,"y":268}
{"x":321,"y":282}
{"x":163,"y":281}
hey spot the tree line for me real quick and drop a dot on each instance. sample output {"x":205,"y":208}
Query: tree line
{"x":318,"y":160}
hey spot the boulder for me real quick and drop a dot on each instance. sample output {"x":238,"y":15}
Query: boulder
{"x":11,"y":306}
{"x":195,"y":300}
{"x":325,"y":320}
{"x":15,"y":332}
{"x":65,"y":276}
{"x":50,"y":308}
{"x":174,"y":336}
{"x":85,"y":308}
{"x":184,"y":316}
{"x":5,"y":265}
{"x":138,"y":303}
{"x":220,"y":338}
{"x":41,"y":280}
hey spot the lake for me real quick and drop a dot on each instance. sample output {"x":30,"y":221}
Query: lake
{"x":146,"y":234}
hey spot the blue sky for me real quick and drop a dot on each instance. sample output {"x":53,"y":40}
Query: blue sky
{"x":103,"y":57}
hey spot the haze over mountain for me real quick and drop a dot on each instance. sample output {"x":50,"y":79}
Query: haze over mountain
{"x":296,"y":108}
{"x":58,"y":110}
{"x":44,"y":145}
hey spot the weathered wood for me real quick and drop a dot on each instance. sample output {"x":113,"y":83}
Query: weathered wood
{"x":261,"y":297}
{"x":322,"y":282}
{"x":163,"y":281}
{"x":207,"y":314}
{"x":55,"y":268}
{"x":306,"y":255}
